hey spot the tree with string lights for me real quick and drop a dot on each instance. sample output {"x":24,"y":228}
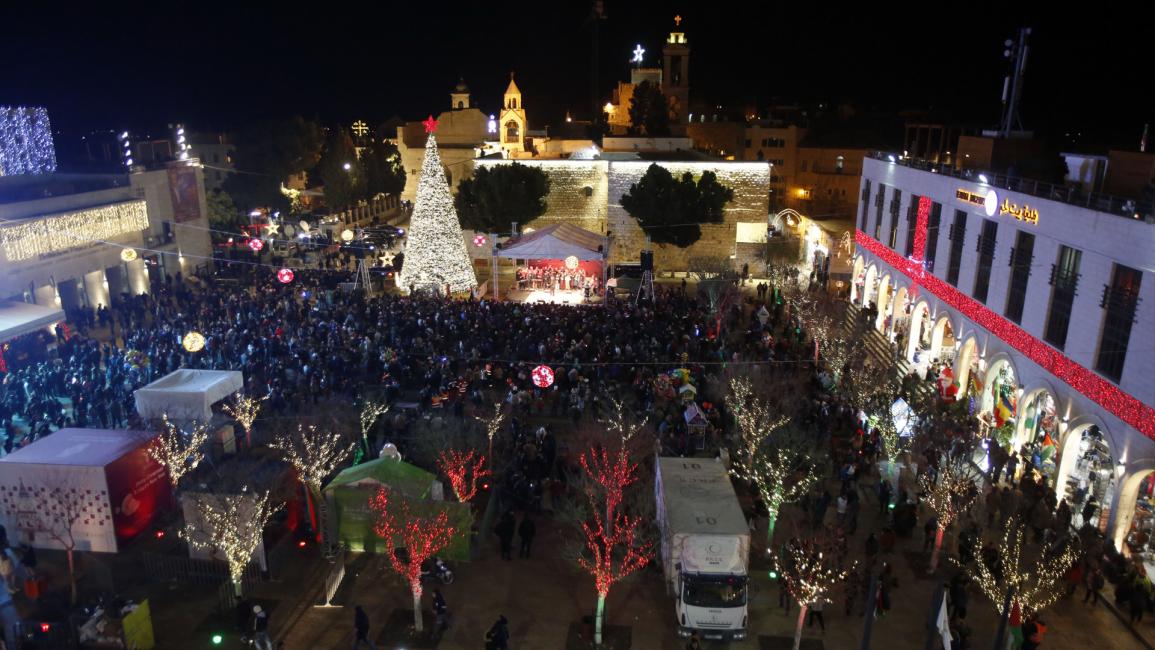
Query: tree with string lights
{"x":1034,"y":582}
{"x":436,"y":258}
{"x":810,"y":571}
{"x":756,"y":424}
{"x":492,"y":425}
{"x":232,"y":525}
{"x":783,"y":471}
{"x":948,"y":496}
{"x":370,"y":412}
{"x":410,"y":539}
{"x":315,"y":454}
{"x":179,"y":450}
{"x":464,"y":469}
{"x":244,"y":410}
{"x":615,"y":545}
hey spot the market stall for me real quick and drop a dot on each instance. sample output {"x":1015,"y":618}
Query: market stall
{"x":187,"y":394}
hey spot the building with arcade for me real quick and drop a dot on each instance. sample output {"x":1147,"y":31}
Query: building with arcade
{"x":1030,"y":301}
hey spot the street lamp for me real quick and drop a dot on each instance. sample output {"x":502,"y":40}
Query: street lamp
{"x":347,"y":166}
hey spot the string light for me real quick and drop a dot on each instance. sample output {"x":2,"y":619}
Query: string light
{"x":180,"y":451}
{"x":492,"y":425}
{"x":232,"y":524}
{"x":463,"y":469}
{"x":421,"y":536}
{"x":370,"y":411}
{"x":315,"y":453}
{"x":755,"y":425}
{"x":776,"y":474}
{"x":948,"y":497}
{"x":63,"y":232}
{"x":244,"y":410}
{"x":26,"y":145}
{"x":1123,"y":405}
{"x":809,"y":573}
{"x":193,"y":342}
{"x":611,"y":536}
{"x":1038,"y":581}
{"x":435,"y":253}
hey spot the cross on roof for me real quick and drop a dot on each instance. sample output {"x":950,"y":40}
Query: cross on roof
{"x":678,"y":20}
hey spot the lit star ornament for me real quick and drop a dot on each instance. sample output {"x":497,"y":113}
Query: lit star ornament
{"x":272,"y":228}
{"x":543,"y":376}
{"x":638,"y":52}
{"x":430,"y":125}
{"x":285,"y":276}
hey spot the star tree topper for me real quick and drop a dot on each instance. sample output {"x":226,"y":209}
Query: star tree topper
{"x":430,"y":125}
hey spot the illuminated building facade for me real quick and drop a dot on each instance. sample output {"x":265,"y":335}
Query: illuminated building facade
{"x":1034,"y":298}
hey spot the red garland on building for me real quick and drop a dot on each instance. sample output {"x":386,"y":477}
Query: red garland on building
{"x":463,"y":470}
{"x":1125,"y":406}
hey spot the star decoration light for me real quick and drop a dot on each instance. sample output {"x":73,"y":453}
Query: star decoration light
{"x":272,"y":228}
{"x":638,"y":53}
{"x":430,"y":125}
{"x":178,"y":450}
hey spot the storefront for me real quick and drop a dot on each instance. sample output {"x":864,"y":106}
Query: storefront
{"x":1091,"y":479}
{"x":1040,"y":434}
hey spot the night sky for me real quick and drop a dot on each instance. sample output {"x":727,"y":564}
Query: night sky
{"x":221,"y":65}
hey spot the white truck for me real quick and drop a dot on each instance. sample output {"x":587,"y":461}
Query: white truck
{"x":705,"y":547}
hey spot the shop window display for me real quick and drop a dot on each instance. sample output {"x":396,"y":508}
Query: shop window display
{"x":1090,"y":487}
{"x":999,"y":403}
{"x":1139,"y":539}
{"x":1041,"y":434}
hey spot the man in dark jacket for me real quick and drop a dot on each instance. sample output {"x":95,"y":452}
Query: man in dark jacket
{"x":526,"y":531}
{"x":361,"y":625}
{"x":504,"y":530}
{"x":497,"y":638}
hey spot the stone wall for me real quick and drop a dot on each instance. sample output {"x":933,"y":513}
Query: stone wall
{"x":750,"y":182}
{"x":577,"y":195}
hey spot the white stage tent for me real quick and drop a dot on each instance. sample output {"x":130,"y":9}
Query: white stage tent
{"x":17,"y":318}
{"x":555,"y":242}
{"x":187,"y":394}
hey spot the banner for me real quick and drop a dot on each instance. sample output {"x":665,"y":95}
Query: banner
{"x":182,"y":189}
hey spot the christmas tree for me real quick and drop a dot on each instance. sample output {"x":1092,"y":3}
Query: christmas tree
{"x":435,"y":254}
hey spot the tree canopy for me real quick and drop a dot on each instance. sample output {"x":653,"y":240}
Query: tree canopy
{"x":649,"y":110}
{"x":384,"y":173}
{"x":342,"y":186}
{"x":266,"y":154}
{"x":500,"y":195}
{"x":670,"y":210}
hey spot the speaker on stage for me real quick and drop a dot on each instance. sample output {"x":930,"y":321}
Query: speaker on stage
{"x":647,"y":261}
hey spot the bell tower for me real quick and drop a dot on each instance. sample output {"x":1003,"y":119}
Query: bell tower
{"x":676,"y":76}
{"x":459,"y":98}
{"x":512,"y":125}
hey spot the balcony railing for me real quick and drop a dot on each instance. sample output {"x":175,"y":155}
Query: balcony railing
{"x":1130,"y":208}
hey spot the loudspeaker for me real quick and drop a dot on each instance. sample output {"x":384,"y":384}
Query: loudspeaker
{"x":647,"y":261}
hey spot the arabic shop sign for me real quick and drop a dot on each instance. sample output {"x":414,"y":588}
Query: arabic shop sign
{"x":1022,"y":212}
{"x":967,"y":196}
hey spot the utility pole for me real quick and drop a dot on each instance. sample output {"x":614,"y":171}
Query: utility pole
{"x":1016,"y":51}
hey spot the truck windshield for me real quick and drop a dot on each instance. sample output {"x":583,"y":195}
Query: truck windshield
{"x":729,"y":591}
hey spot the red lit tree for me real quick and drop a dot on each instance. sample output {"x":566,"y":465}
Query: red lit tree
{"x":614,"y":542}
{"x":463,"y":468}
{"x":422,"y":536}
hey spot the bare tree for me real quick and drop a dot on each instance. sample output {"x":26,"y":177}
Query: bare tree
{"x":54,"y":510}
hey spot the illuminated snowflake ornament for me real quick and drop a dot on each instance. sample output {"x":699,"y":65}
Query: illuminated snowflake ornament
{"x":285,"y":276}
{"x":542,"y":376}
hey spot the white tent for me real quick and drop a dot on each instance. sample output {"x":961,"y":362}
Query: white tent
{"x":187,"y":394}
{"x":555,"y":242}
{"x":17,"y":318}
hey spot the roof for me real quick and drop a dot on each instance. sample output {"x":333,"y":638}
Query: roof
{"x":187,"y":394}
{"x":79,"y":447}
{"x":512,"y":88}
{"x":554,"y":242}
{"x":410,"y":480}
{"x":694,"y":413}
{"x":18,"y":318}
{"x":692,"y":487}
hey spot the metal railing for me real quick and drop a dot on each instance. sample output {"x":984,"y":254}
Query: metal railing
{"x":1098,"y":201}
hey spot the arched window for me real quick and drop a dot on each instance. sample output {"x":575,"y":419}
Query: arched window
{"x":513,"y":102}
{"x":838,"y":163}
{"x":460,"y":104}
{"x":511,"y":131}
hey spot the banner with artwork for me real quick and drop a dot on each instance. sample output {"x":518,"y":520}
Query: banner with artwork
{"x":182,"y":189}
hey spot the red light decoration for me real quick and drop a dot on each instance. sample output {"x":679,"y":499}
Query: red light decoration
{"x":430,"y":125}
{"x":301,"y":544}
{"x":285,"y":276}
{"x":1120,"y":403}
{"x":45,"y":627}
{"x":463,"y":470}
{"x":479,"y":240}
{"x":160,"y":534}
{"x":422,"y":536}
{"x":256,"y":245}
{"x":543,"y":376}
{"x":920,"y":228}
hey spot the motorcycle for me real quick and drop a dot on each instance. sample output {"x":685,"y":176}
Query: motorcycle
{"x":435,"y":568}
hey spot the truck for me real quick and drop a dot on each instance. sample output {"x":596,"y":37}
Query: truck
{"x":705,"y":547}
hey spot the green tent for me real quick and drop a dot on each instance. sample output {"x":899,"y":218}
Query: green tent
{"x":350,"y":519}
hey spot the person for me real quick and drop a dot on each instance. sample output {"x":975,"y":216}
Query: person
{"x":7,"y":571}
{"x":504,"y":530}
{"x":695,"y":643}
{"x":497,"y":638}
{"x":816,"y":608}
{"x":1095,"y":582}
{"x":361,"y":627}
{"x":441,"y":612}
{"x":526,"y":531}
{"x":1033,"y":631}
{"x":261,"y":629}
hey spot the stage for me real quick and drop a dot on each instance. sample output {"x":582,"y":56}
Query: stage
{"x":559,"y":297}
